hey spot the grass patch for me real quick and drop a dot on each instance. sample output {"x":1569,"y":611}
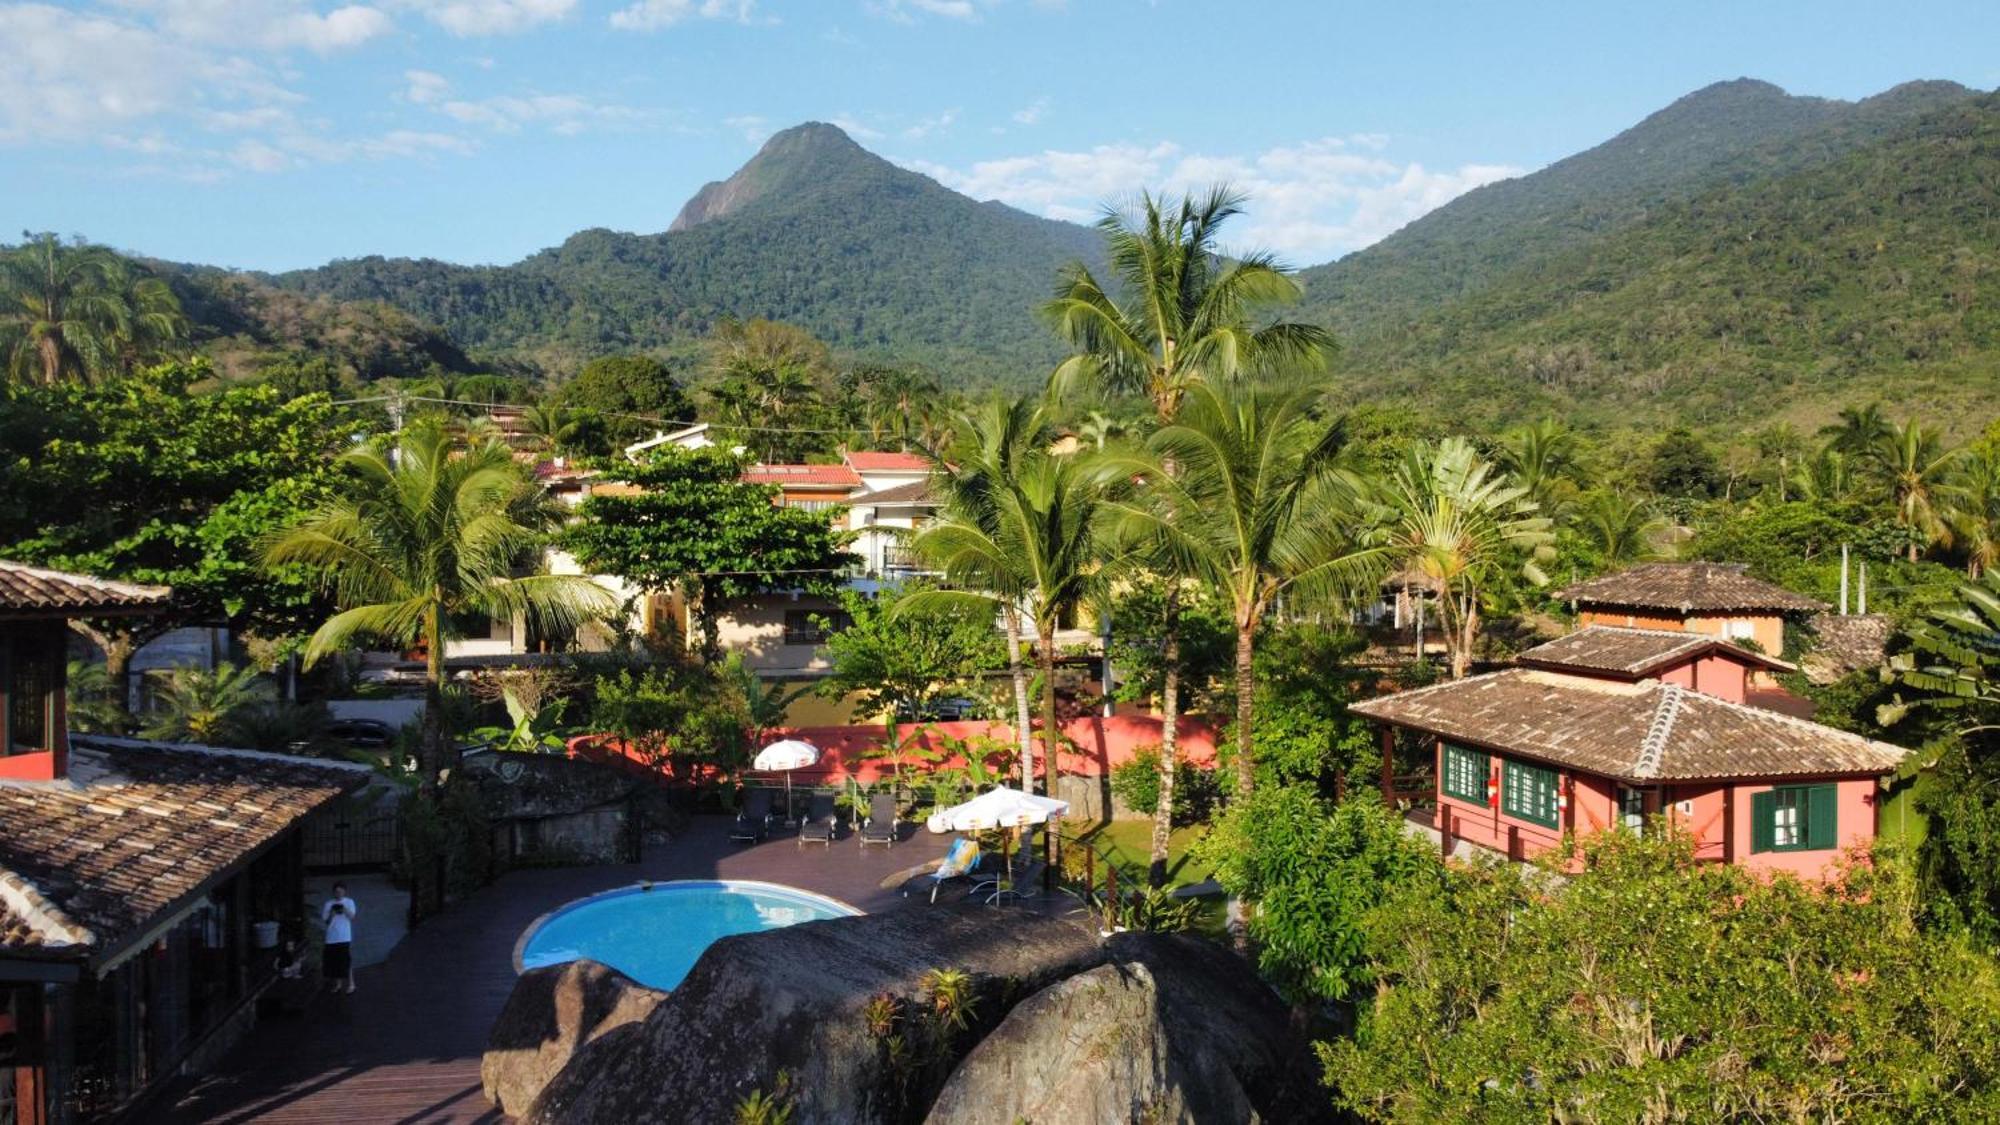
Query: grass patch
{"x":1129,"y":843}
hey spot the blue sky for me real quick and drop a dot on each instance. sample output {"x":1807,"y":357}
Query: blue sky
{"x":278,"y":133}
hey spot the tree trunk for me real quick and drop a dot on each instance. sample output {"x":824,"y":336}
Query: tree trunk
{"x":1046,"y":657}
{"x":1468,"y":636}
{"x":1170,"y":708}
{"x":119,"y":643}
{"x":430,"y":753}
{"x":1246,"y":696}
{"x":1024,"y":724}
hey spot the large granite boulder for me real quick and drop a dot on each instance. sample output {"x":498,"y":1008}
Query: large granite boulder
{"x":1170,"y":1030}
{"x":840,"y":1018}
{"x":550,"y":1014}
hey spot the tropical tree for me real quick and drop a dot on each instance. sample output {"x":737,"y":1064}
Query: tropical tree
{"x":1620,"y":529}
{"x":1974,"y":509}
{"x":1451,"y":517}
{"x":1827,"y":478}
{"x":79,"y":312}
{"x":1857,"y":430}
{"x":205,"y":706}
{"x":423,"y":536}
{"x":1915,"y":466}
{"x":768,"y":384}
{"x":1184,"y":313}
{"x":987,"y":445}
{"x":554,"y":427}
{"x":1543,"y":459}
{"x":1274,"y":515}
{"x":1038,"y":535}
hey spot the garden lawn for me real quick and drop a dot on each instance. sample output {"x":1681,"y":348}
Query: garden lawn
{"x":1129,"y":843}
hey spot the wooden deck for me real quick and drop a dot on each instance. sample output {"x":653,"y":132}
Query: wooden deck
{"x":405,"y":1048}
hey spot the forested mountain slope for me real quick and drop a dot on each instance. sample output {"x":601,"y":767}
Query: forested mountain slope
{"x":1858,"y":260}
{"x":814,"y":230}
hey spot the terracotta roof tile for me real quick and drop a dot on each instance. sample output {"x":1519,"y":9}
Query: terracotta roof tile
{"x":138,"y":827}
{"x":1848,"y":644}
{"x":1646,"y":731}
{"x":872,"y":462}
{"x":1634,"y":652}
{"x":32,"y":589}
{"x":803,"y":476}
{"x":1687,"y":587}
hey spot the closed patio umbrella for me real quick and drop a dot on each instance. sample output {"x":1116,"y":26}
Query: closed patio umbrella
{"x":786,"y":755}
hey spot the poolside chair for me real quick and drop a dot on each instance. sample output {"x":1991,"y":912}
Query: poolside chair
{"x":818,"y":826}
{"x":959,"y":863}
{"x":753,"y":820}
{"x":880,"y":827}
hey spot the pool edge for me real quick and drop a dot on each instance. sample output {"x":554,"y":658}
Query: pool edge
{"x":646,"y":885}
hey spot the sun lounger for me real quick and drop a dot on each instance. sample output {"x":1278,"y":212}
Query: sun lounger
{"x":818,"y":826}
{"x":880,"y":827}
{"x":753,"y":820}
{"x":959,"y":863}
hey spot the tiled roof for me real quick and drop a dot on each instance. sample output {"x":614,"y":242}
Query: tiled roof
{"x":871,"y":462}
{"x":1634,"y":652}
{"x":135,"y":831}
{"x":1645,"y":731}
{"x":915,"y":492}
{"x":1686,"y":587}
{"x":803,"y":476}
{"x":33,"y":589}
{"x":1848,"y":644}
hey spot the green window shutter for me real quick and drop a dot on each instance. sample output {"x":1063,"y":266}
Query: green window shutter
{"x":1465,"y":773}
{"x":1763,"y":811}
{"x":1822,"y":809}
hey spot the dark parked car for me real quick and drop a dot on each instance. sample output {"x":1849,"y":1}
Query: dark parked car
{"x":364,"y":734}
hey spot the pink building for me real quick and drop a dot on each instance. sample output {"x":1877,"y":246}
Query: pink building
{"x":1608,"y":727}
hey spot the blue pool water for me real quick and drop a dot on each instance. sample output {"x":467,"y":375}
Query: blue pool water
{"x":655,"y":934}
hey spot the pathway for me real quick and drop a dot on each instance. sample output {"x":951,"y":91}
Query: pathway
{"x":405,"y":1048}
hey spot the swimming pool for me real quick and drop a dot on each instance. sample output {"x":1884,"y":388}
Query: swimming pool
{"x":654,"y":932}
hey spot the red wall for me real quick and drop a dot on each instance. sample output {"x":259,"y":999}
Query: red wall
{"x":1099,"y":745}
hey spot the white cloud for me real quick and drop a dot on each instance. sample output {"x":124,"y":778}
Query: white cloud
{"x":927,"y":126}
{"x":565,"y":114}
{"x":855,"y":127}
{"x":68,"y":75}
{"x":652,"y":15}
{"x":492,"y":17}
{"x":298,"y":150}
{"x":906,"y":11}
{"x":1309,"y":201}
{"x":1031,"y":114}
{"x":425,"y":87}
{"x":276,"y":25}
{"x":754,"y":128}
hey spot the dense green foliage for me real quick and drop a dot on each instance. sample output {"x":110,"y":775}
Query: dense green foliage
{"x":77,"y":311}
{"x":1742,"y":254}
{"x":626,"y":398}
{"x":139,"y":479}
{"x":1648,"y":987}
{"x":902,"y":665}
{"x":692,"y":526}
{"x":1315,"y":872}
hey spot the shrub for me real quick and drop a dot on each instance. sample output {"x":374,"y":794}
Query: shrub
{"x":1137,"y":784}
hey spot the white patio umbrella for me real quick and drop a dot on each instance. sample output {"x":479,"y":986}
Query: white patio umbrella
{"x":997,"y":808}
{"x":786,"y":755}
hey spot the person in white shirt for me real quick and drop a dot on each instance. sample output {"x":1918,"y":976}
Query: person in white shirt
{"x":337,"y":963}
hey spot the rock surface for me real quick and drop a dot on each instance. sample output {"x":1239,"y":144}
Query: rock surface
{"x":1171,"y":1029}
{"x":836,"y":1012}
{"x":551,"y":1013}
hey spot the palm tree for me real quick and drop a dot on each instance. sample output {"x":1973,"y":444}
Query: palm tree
{"x":1452,"y":518}
{"x":93,"y":703}
{"x":987,"y":445}
{"x":423,"y":537}
{"x":1275,"y":514}
{"x":1188,"y":313}
{"x":197,"y":705}
{"x":1622,"y":530}
{"x":1974,"y":511}
{"x":1037,"y":535}
{"x":1915,"y":466}
{"x":1827,"y":479}
{"x":553,"y":426}
{"x":150,"y":319}
{"x":1542,"y":458}
{"x":1857,"y":430}
{"x":62,"y":315}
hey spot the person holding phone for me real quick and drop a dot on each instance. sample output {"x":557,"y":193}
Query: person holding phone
{"x":337,"y":963}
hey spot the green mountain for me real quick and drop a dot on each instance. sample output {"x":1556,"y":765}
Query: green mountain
{"x":1741,"y":254}
{"x":814,"y":230}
